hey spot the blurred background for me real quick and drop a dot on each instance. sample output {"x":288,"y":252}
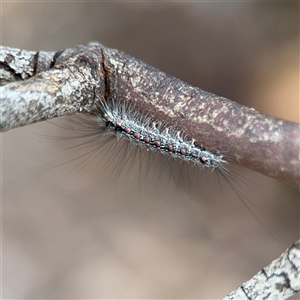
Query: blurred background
{"x":73,"y":229}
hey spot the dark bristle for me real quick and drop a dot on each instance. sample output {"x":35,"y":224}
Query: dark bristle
{"x":131,"y":139}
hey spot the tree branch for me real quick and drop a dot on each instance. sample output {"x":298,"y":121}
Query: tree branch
{"x":18,"y":64}
{"x":76,"y":79}
{"x":279,"y":280}
{"x":43,"y":85}
{"x":64,"y":83}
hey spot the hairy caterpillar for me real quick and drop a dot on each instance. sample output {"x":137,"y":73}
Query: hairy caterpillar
{"x":119,"y":122}
{"x":142,"y":130}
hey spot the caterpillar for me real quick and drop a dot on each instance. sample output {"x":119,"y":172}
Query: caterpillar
{"x":118,"y":122}
{"x":126,"y":122}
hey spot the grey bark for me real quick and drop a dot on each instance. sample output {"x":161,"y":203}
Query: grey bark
{"x":279,"y":280}
{"x":76,"y":79}
{"x":51,"y":88}
{"x":42,"y":85}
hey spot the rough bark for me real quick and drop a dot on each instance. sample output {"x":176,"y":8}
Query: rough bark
{"x":74,"y":83}
{"x":46,"y":85}
{"x":279,"y":280}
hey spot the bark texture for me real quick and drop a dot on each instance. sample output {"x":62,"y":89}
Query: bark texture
{"x":72,"y":84}
{"x":45,"y":85}
{"x":279,"y":280}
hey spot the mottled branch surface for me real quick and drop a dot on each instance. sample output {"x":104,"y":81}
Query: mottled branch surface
{"x":46,"y":85}
{"x":18,"y":65}
{"x":37,"y":86}
{"x":56,"y":84}
{"x":279,"y":280}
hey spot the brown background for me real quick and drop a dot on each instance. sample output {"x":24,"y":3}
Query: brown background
{"x":88,"y":230}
